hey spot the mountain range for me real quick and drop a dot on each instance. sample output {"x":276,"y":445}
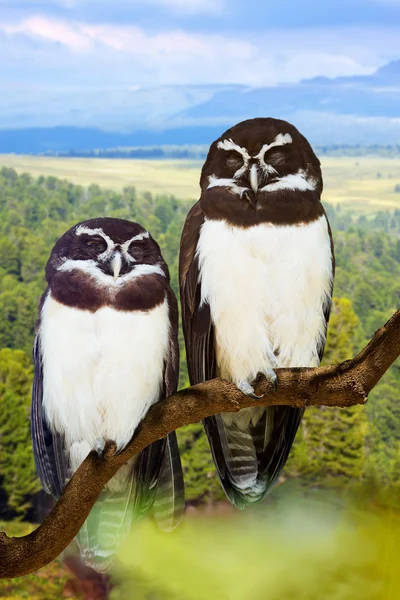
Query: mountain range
{"x":345,"y":110}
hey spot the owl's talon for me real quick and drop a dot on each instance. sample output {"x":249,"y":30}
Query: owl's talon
{"x":270,"y":376}
{"x":99,"y":447}
{"x":247,"y":389}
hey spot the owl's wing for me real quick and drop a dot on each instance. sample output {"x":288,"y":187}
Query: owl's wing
{"x":169,"y":501}
{"x":196,"y":320}
{"x":328,"y":303}
{"x":48,"y":447}
{"x":199,"y":338}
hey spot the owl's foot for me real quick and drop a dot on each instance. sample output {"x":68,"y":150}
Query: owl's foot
{"x":246,"y":388}
{"x":270,"y":376}
{"x":99,"y":447}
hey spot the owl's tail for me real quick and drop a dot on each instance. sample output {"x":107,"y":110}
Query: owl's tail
{"x":109,"y":521}
{"x":169,"y":502}
{"x":250,"y":456}
{"x":150,"y":482}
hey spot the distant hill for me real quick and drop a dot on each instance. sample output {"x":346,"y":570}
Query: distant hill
{"x":42,"y":140}
{"x":345,"y":110}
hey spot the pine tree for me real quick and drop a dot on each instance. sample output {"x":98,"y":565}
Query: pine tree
{"x":330,"y":448}
{"x":18,"y":481}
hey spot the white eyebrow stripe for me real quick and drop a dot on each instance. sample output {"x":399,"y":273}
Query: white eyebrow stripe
{"x":135,"y":238}
{"x":230,"y":145}
{"x":98,"y":231}
{"x":280,"y":140}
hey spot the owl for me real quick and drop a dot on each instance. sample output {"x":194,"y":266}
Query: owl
{"x":106,"y":350}
{"x":256,"y":277}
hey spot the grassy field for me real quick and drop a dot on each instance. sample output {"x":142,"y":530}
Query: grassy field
{"x":177,"y":177}
{"x":365,"y":184}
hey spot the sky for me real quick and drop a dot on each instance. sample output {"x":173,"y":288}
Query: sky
{"x":93,"y":62}
{"x":80,"y":43}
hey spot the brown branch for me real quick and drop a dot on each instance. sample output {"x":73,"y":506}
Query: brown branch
{"x":342,"y":385}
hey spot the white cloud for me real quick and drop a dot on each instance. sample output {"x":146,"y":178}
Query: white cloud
{"x":130,"y":55}
{"x":49,"y":29}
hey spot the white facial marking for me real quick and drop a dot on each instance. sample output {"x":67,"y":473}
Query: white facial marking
{"x":98,"y":231}
{"x":90,"y":267}
{"x":125,"y":246}
{"x":230,"y":145}
{"x":213,"y":181}
{"x":295,"y":181}
{"x":284,"y":183}
{"x":280,"y":140}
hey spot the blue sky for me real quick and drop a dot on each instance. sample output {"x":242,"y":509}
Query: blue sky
{"x":90,"y":62}
{"x":157,"y":42}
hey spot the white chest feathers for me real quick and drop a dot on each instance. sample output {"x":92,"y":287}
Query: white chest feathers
{"x":267,"y":288}
{"x":101,"y":371}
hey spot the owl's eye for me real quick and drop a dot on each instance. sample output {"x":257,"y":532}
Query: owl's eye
{"x":138,"y":250}
{"x":234,"y":160}
{"x":95,"y":241}
{"x":275,"y":158}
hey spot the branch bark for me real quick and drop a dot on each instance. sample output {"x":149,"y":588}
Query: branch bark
{"x":346,"y":384}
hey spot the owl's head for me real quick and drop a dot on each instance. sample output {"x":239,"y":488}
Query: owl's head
{"x":110,"y":251}
{"x":262,"y":155}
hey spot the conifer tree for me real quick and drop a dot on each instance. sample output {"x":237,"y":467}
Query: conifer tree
{"x":18,"y":481}
{"x":331,"y":443}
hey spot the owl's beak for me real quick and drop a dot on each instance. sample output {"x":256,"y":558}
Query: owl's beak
{"x":116,"y":265}
{"x":254,"y":178}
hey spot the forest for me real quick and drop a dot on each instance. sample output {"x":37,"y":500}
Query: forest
{"x":335,"y":448}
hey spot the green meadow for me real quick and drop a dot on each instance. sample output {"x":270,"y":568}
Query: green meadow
{"x":363,"y":184}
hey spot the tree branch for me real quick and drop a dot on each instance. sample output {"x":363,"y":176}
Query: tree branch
{"x":342,"y":385}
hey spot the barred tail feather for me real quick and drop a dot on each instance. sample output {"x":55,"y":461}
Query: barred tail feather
{"x":169,"y":502}
{"x":250,"y":456}
{"x":239,"y":452}
{"x":153,"y":478}
{"x":108,"y":524}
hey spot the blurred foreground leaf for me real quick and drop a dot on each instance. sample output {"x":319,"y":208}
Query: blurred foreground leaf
{"x":309,"y":550}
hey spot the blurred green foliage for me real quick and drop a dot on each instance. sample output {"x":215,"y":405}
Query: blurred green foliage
{"x":306,"y":549}
{"x":334,"y":446}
